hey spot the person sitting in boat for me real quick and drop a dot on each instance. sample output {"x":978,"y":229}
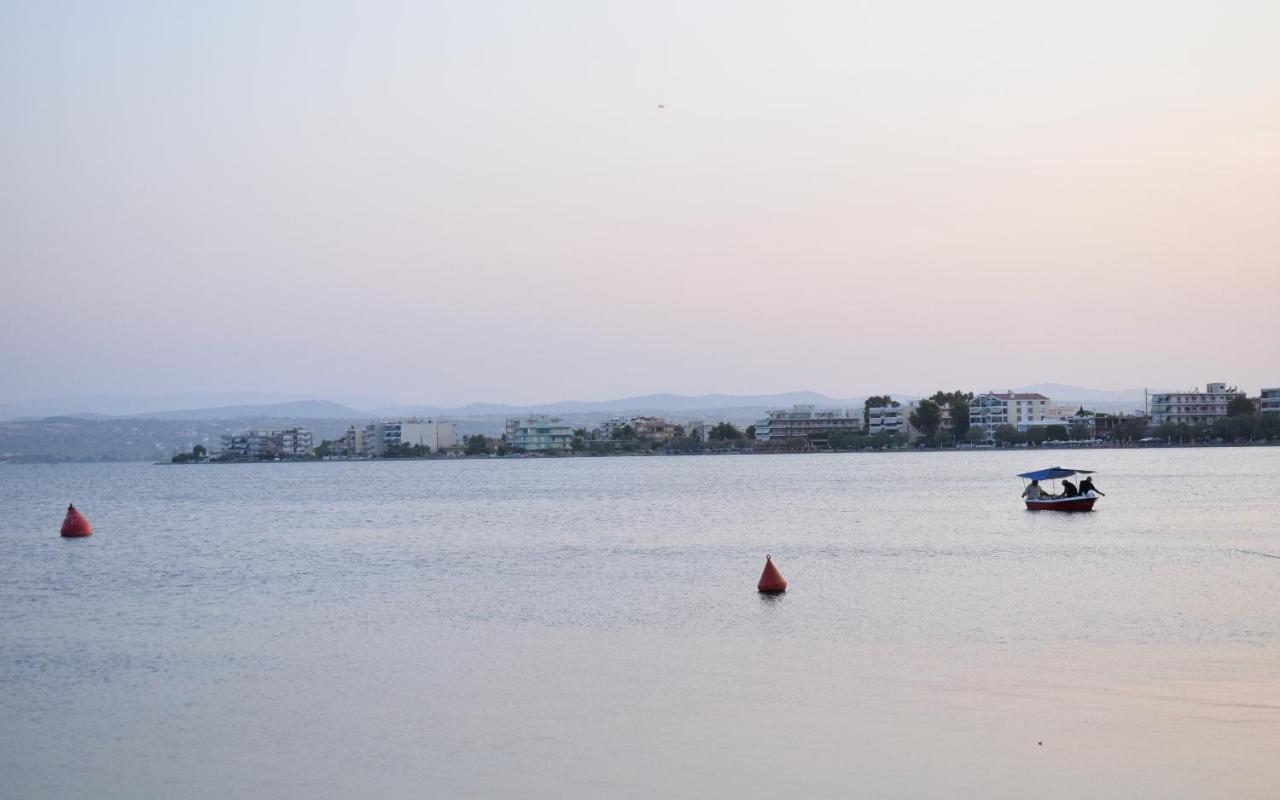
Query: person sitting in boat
{"x":1033,"y":491}
{"x":1069,"y":489}
{"x":1087,"y":486}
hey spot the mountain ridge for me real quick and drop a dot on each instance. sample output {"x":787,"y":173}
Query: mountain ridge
{"x":650,"y":403}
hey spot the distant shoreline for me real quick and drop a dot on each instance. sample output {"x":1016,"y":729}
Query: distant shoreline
{"x":751,"y":452}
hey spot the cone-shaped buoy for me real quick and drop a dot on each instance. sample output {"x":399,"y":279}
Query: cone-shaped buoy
{"x":75,"y":524}
{"x":771,"y":581}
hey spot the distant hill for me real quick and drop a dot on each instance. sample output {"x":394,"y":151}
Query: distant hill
{"x":300,"y":409}
{"x":650,"y":403}
{"x":110,"y":406}
{"x":728,"y":407}
{"x":132,"y":438}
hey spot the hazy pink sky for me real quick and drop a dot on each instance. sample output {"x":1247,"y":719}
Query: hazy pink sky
{"x":441,"y":203}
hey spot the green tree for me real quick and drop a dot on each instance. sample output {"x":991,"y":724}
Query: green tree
{"x":577,"y":444}
{"x":581,"y":433}
{"x":197,"y":453}
{"x":403,"y":450}
{"x":926,"y":417}
{"x":975,"y":436}
{"x":1239,"y":406}
{"x":724,"y":432}
{"x":475,"y":445}
{"x":1240,"y":428}
{"x":1037,"y":434}
{"x":1268,"y":426}
{"x":1056,"y":433}
{"x":960,"y":414}
{"x":1007,"y":435}
{"x":624,"y":433}
{"x":957,"y":403}
{"x":1130,"y":429}
{"x":751,"y":432}
{"x":1079,"y":432}
{"x":842,"y":440}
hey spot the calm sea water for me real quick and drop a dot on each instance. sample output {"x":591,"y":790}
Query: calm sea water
{"x":590,"y":628}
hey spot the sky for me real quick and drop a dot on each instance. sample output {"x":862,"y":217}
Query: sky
{"x":442,"y":203}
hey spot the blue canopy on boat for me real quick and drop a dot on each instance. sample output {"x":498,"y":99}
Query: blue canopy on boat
{"x":1053,"y":472}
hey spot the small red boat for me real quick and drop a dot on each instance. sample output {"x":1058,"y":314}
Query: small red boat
{"x":1038,"y":499}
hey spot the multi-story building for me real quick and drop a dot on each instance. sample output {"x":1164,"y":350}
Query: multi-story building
{"x":1020,"y":409}
{"x":260,"y":444}
{"x":1269,"y":401}
{"x":611,"y":426}
{"x":887,"y":419}
{"x":653,"y":428}
{"x":1193,"y":408}
{"x":539,"y":434}
{"x":435,"y":435}
{"x":807,"y":422}
{"x":353,"y":442}
{"x":698,"y":428}
{"x":296,"y":442}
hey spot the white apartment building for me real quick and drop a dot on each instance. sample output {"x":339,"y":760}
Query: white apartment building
{"x":887,"y":419}
{"x":259,"y":444}
{"x":1270,"y":401}
{"x":539,"y":434}
{"x":1193,"y":407}
{"x":804,"y":421}
{"x":378,"y":436}
{"x":1020,"y":409}
{"x":434,"y":433}
{"x":353,"y":442}
{"x":296,"y":442}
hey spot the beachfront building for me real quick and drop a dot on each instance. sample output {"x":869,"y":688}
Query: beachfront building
{"x":296,"y":442}
{"x":698,"y":428}
{"x":434,"y":433}
{"x":1269,"y":401}
{"x":264,"y":444}
{"x":610,"y":427}
{"x":654,"y":428}
{"x":376,"y":438}
{"x":808,"y":423}
{"x":1193,"y":407}
{"x":1022,"y":410}
{"x":539,"y":434}
{"x":352,"y":442}
{"x":887,"y":419}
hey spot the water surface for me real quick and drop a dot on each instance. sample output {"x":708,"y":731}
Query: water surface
{"x":589,"y":628}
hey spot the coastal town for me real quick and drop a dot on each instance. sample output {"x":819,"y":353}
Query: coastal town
{"x":1218,"y":414}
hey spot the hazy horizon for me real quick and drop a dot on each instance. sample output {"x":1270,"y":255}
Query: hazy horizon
{"x":433,"y":204}
{"x":138,"y":405}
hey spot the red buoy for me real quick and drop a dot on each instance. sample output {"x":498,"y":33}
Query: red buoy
{"x":771,"y":581}
{"x":75,"y":524}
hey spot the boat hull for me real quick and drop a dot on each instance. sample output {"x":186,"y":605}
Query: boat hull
{"x":1064,"y":504}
